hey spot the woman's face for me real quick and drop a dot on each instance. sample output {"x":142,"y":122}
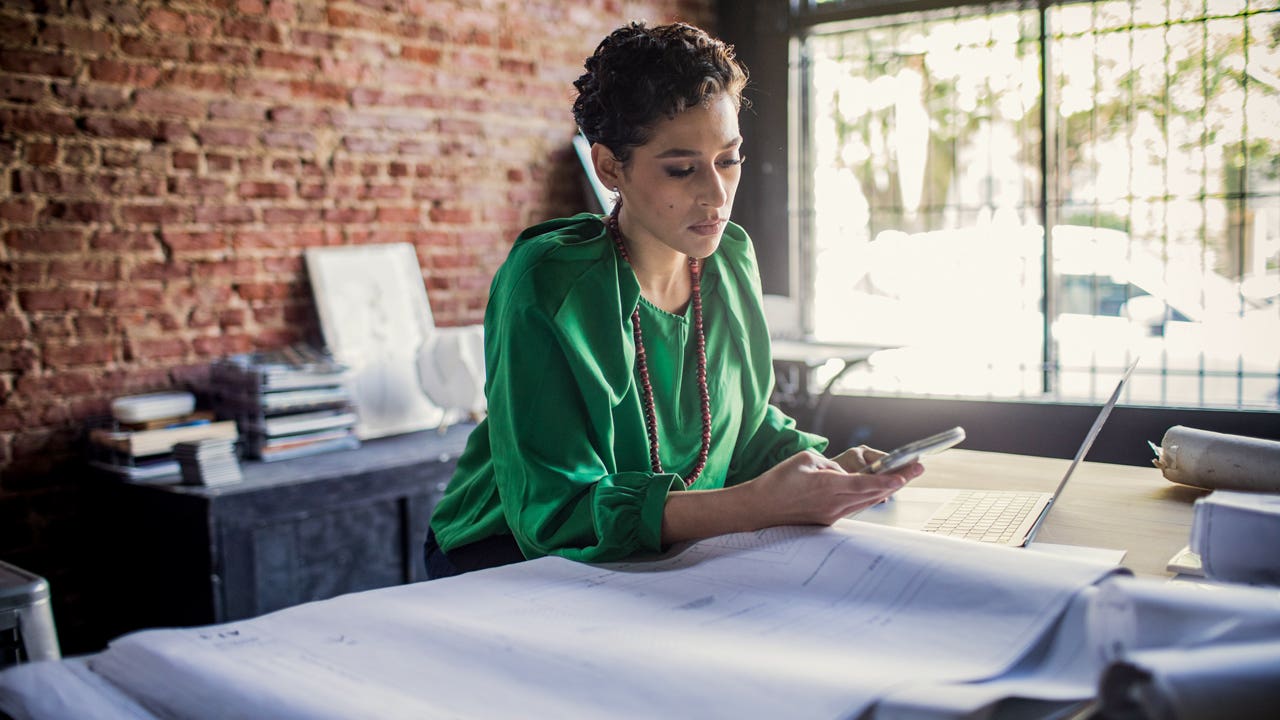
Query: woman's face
{"x":678,"y":188}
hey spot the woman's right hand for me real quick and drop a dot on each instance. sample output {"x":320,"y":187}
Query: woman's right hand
{"x":804,"y":489}
{"x":809,"y":489}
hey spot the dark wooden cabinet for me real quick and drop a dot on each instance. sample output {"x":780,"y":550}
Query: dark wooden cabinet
{"x":291,"y":532}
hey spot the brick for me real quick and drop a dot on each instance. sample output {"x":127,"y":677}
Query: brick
{"x":252,"y":30}
{"x":351,"y":215}
{"x":287,"y":61}
{"x":409,"y":122}
{"x":17,"y":211}
{"x":222,"y":54}
{"x":223,"y":214}
{"x":51,"y":327}
{"x":232,"y":109}
{"x":222,"y":344}
{"x":162,"y":102}
{"x":79,"y":39}
{"x":204,"y":81}
{"x":122,"y":127}
{"x":167,"y":270}
{"x":166,"y":22}
{"x":368,"y":145}
{"x":289,"y":140}
{"x":194,"y":241}
{"x":24,"y":120}
{"x":76,"y":354}
{"x":277,"y":190}
{"x":78,"y":212}
{"x":382,"y":192}
{"x":12,"y":328}
{"x":130,"y":185}
{"x":314,"y":40}
{"x":162,"y":348}
{"x":197,"y":187}
{"x":95,"y":96}
{"x":21,"y":359}
{"x":45,"y":241}
{"x":211,"y":136}
{"x":455,"y":216}
{"x":318,"y":90}
{"x":183,"y":160}
{"x":296,"y":116}
{"x":290,"y":216}
{"x":94,"y":325}
{"x":23,"y":90}
{"x":124,"y":73}
{"x":122,"y":241}
{"x":263,"y":291}
{"x":129,"y":298}
{"x":160,"y":48}
{"x":35,"y":62}
{"x":95,"y":269}
{"x":111,"y":12}
{"x":232,"y":318}
{"x":17,"y":31}
{"x":152,"y":213}
{"x":424,"y":55}
{"x":216,"y":162}
{"x":399,"y":215}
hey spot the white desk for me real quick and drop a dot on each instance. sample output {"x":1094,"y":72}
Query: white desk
{"x":1121,"y":507}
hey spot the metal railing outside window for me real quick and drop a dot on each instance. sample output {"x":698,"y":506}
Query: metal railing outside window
{"x":937,"y":145}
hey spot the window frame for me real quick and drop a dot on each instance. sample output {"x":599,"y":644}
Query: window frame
{"x":767,"y":36}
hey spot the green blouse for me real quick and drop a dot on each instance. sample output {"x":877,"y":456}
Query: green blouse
{"x":562,"y":459}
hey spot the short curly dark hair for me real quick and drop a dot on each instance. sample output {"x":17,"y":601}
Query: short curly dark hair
{"x":639,"y":75}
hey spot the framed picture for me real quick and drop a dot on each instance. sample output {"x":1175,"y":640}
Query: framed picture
{"x":376,"y":319}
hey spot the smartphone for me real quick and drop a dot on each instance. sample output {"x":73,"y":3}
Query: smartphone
{"x":913,"y":451}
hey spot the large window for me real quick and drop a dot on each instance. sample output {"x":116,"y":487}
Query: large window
{"x":936,"y":147}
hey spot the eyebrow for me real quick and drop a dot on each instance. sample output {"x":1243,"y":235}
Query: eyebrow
{"x":683,"y":152}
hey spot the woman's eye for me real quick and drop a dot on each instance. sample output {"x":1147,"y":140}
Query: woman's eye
{"x":730,"y":162}
{"x":680,"y":172}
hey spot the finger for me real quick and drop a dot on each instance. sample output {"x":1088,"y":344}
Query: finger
{"x":871,"y":454}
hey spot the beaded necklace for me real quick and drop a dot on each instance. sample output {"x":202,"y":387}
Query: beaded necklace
{"x":642,"y":364}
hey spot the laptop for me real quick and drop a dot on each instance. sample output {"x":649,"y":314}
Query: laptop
{"x":1004,"y":517}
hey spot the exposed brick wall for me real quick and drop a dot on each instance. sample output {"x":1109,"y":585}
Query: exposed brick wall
{"x":166,"y":163}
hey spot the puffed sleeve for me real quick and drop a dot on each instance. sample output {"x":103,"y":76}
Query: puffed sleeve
{"x":556,"y":374}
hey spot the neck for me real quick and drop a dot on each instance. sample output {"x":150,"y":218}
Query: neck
{"x":663,"y":273}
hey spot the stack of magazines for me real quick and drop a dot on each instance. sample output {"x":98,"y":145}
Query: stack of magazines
{"x":208,"y":462}
{"x":287,"y":403}
{"x":136,"y":442}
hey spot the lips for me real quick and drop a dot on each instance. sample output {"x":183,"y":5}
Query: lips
{"x":709,"y":227}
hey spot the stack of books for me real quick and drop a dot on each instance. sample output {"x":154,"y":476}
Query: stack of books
{"x":287,"y":403}
{"x":137,"y":442}
{"x":208,"y":462}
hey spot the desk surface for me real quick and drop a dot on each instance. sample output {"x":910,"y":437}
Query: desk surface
{"x":1122,"y":507}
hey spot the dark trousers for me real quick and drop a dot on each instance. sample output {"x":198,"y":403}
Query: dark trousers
{"x":487,"y":553}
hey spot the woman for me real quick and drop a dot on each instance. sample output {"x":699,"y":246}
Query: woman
{"x":627,"y":357}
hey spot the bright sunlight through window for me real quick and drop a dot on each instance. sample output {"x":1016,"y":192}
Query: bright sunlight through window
{"x":1146,"y":134}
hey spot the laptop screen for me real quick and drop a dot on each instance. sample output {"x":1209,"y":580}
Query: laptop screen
{"x":1097,"y":427}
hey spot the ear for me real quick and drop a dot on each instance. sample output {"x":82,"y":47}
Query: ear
{"x":608,"y":169}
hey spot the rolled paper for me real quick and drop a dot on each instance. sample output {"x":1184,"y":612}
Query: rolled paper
{"x":1218,"y":461}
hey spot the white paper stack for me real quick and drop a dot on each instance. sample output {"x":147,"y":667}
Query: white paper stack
{"x":1236,"y":535}
{"x":208,"y":462}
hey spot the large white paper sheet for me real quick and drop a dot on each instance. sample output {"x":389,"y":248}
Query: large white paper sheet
{"x":787,"y":622}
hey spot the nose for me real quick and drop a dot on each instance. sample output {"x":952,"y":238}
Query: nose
{"x":714,"y":191}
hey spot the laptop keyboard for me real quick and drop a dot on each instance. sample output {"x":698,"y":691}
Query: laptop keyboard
{"x":992,"y":516}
